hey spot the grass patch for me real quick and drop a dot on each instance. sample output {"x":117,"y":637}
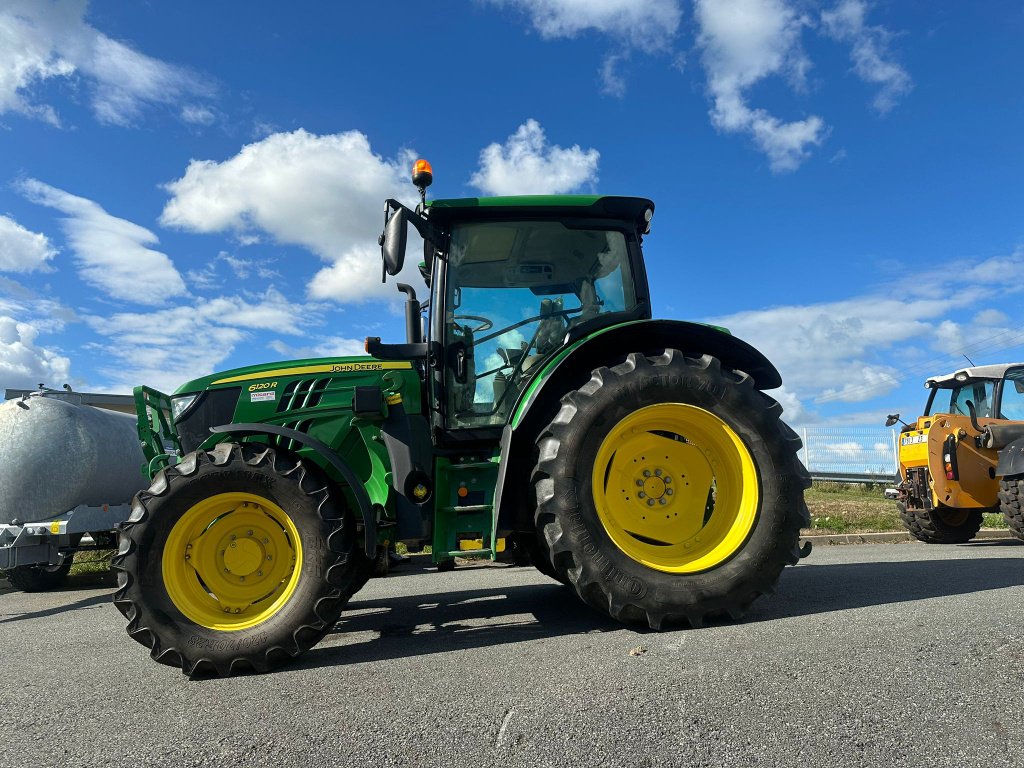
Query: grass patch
{"x":93,"y":561}
{"x":849,"y":508}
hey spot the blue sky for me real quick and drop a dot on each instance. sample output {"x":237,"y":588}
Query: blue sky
{"x":192,"y":186}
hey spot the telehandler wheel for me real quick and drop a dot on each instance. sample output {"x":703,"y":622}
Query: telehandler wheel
{"x":668,"y":490}
{"x":942,"y":525}
{"x":1011,"y":498}
{"x":236,"y":559}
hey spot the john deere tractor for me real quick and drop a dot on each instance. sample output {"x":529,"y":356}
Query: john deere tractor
{"x":535,"y":410}
{"x":965,"y":456}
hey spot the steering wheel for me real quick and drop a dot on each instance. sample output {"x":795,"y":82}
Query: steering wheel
{"x":485,"y":324}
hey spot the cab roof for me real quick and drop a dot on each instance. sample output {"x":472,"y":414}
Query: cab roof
{"x":542,"y":206}
{"x":977,"y":372}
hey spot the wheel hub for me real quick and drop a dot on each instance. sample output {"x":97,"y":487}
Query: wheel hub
{"x":233,"y":553}
{"x":675,"y":488}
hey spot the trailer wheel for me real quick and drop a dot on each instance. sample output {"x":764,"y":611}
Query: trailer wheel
{"x":942,"y":525}
{"x":669,"y":491}
{"x":238,"y":559}
{"x":1011,"y":497}
{"x":40,"y":578}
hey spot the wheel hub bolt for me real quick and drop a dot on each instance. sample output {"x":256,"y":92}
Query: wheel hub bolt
{"x":647,"y":473}
{"x":668,"y":491}
{"x":269,"y":558}
{"x":233,"y":545}
{"x":667,"y":479}
{"x":233,"y":537}
{"x":650,"y":502}
{"x":663,"y":501}
{"x":640,"y":483}
{"x":642,"y":495}
{"x":266,"y":540}
{"x":657,"y":472}
{"x":259,"y":573}
{"x":248,"y":533}
{"x":188,"y":557}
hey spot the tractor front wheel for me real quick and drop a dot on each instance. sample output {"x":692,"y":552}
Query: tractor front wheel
{"x":942,"y":525}
{"x":1011,"y":498}
{"x":237,"y":559}
{"x":669,"y":490}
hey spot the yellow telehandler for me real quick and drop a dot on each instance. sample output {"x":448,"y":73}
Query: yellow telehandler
{"x":965,"y":456}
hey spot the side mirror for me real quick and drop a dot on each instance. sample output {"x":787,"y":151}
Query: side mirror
{"x":892,"y":419}
{"x":394,"y":238}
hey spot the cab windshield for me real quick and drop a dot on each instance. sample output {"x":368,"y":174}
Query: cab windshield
{"x":954,"y":400}
{"x":513,"y":289}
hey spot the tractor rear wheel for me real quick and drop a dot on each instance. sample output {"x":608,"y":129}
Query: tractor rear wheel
{"x":1011,"y":498}
{"x":669,"y":490}
{"x":237,"y":559}
{"x":942,"y":525}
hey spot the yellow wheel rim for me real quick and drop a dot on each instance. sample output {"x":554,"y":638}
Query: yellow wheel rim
{"x":232,"y":561}
{"x":675,"y":488}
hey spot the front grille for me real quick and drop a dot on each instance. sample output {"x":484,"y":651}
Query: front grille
{"x":304,"y":393}
{"x":212,"y":408}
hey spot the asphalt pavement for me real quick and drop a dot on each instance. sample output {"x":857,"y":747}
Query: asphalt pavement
{"x":871,"y":655}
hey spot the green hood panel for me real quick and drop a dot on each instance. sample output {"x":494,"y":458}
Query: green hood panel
{"x":310,"y":366}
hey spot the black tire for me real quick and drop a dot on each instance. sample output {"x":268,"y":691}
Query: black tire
{"x":581,"y":550}
{"x":530,"y":550}
{"x":942,"y":525}
{"x":1011,"y":503}
{"x":446,"y":565}
{"x":40,"y":578}
{"x":327,"y":578}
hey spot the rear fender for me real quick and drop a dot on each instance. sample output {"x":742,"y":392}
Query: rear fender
{"x":571,"y":368}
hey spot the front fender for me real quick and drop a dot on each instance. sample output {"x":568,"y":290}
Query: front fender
{"x":571,"y":368}
{"x":331,"y":457}
{"x":1011,"y":459}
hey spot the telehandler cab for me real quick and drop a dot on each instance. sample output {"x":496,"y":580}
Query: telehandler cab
{"x":535,"y":410}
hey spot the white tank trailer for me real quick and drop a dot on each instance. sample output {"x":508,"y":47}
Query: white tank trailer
{"x":66,"y":469}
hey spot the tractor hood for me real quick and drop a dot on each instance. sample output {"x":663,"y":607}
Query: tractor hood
{"x":310,"y":366}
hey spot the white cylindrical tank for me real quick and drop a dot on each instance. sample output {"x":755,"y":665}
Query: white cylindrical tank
{"x":56,"y":454}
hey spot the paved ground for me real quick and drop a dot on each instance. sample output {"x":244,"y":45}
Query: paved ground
{"x":887,"y":655}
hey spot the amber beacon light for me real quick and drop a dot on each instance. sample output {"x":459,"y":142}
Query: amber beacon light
{"x":422,"y":174}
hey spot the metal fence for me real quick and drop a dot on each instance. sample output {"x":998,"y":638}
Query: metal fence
{"x":851,"y":454}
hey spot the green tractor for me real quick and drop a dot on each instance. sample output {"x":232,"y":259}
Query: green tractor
{"x":535,"y":412}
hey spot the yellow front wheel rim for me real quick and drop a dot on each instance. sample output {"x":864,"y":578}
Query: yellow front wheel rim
{"x":675,"y":488}
{"x":232,"y":561}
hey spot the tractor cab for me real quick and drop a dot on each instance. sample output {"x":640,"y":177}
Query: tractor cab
{"x":513,"y":280}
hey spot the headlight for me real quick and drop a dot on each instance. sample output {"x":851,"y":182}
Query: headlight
{"x":181,"y":404}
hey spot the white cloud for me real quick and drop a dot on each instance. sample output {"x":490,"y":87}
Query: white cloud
{"x":744,"y":42}
{"x":649,"y":25}
{"x":111,"y":253}
{"x":864,"y":347}
{"x":197,"y":114}
{"x":42,"y":40}
{"x":325,"y":193}
{"x":22,"y":250}
{"x":869,"y":50}
{"x":331,"y":346}
{"x":526,"y":164}
{"x":612,"y":81}
{"x":167,"y":347}
{"x":23,"y":363}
